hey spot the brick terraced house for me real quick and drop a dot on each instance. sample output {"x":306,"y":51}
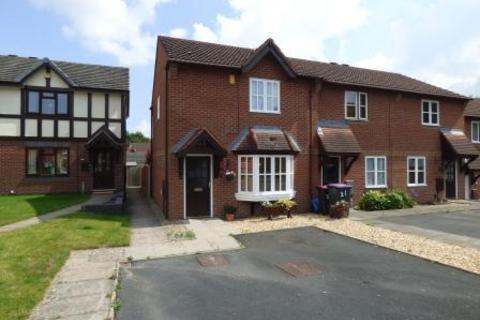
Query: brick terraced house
{"x":285,"y":125}
{"x":62,"y":126}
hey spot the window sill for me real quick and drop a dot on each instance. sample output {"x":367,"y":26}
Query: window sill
{"x":416,"y":185}
{"x":430,"y":125}
{"x":356,"y":120}
{"x":259,"y":197}
{"x":376,"y":187}
{"x":265,"y":112}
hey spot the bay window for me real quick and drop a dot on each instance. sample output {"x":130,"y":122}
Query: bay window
{"x":47,"y":162}
{"x":265,"y":177}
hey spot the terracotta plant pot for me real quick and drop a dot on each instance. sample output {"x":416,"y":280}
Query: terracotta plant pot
{"x":340,"y":211}
{"x":229,"y":216}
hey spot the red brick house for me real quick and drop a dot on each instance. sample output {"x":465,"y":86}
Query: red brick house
{"x":62,"y":126}
{"x":285,"y":125}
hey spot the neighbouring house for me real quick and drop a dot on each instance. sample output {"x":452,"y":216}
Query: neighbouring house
{"x":472,"y":129}
{"x":283,"y":126}
{"x":136,"y":159}
{"x":62,"y":126}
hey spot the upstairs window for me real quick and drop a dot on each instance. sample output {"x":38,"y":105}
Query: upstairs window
{"x":264,"y":95}
{"x":48,"y":103}
{"x":430,"y":113}
{"x":476,"y":131}
{"x":356,"y":105}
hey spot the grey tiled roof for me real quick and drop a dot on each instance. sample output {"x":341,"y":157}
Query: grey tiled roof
{"x":14,"y":69}
{"x":473,"y":108}
{"x":204,"y":53}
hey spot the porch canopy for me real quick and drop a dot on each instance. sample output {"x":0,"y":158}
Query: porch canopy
{"x":337,"y":139}
{"x":103,"y":138}
{"x":199,"y":141}
{"x":456,"y":145}
{"x":265,"y":140}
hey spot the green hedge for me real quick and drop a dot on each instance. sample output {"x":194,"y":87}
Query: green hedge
{"x":385,"y":200}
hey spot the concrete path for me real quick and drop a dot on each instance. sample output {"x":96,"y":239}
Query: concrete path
{"x":84,"y":288}
{"x":94,"y":199}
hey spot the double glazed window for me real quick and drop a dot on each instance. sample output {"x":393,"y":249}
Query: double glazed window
{"x":476,"y":131}
{"x":416,"y":171}
{"x":430,"y":113}
{"x":265,"y":174}
{"x":376,"y":172}
{"x":47,"y":103}
{"x":264,"y":95}
{"x":47,"y":162}
{"x":356,"y":105}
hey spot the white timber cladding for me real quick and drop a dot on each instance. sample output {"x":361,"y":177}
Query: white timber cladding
{"x":9,"y":127}
{"x":116,"y":128}
{"x":115,"y":106}
{"x":80,"y":129}
{"x":38,"y":79}
{"x":63,"y":129}
{"x":98,"y":105}
{"x":80,"y":104}
{"x":31,"y":127}
{"x":10,"y":100}
{"x":47,"y":128}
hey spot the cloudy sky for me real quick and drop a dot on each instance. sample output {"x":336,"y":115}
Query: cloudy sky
{"x":437,"y":41}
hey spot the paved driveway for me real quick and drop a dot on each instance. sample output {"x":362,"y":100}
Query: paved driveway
{"x":348,"y":279}
{"x":459,"y":223}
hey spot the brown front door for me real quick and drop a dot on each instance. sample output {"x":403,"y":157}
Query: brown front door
{"x":103,"y":169}
{"x":197,"y":173}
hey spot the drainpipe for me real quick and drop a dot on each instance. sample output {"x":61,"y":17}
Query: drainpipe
{"x":166,"y":189}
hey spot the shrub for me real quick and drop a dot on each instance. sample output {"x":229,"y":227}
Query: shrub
{"x":380,"y":200}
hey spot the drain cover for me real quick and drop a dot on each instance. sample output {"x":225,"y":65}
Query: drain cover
{"x":210,"y":260}
{"x":299,"y":269}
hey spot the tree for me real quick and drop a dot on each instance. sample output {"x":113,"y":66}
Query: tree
{"x":137,"y":137}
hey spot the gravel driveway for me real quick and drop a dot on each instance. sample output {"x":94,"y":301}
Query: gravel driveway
{"x":348,"y":279}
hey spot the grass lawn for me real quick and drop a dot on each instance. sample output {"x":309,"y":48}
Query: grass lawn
{"x":30,"y":258}
{"x":14,"y":208}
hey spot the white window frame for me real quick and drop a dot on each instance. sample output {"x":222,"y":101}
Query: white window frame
{"x":430,"y":123}
{"x":264,"y":95}
{"x":256,"y":195}
{"x":375,"y":171}
{"x":158,"y":107}
{"x":475,"y":139}
{"x":416,"y":171}
{"x":357,"y":106}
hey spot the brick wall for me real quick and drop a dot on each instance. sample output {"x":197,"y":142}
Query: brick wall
{"x":13,"y":178}
{"x":202,"y":97}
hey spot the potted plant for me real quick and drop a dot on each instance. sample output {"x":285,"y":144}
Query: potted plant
{"x":341,"y":209}
{"x":271,"y":208}
{"x":229,"y":212}
{"x":288,"y":206}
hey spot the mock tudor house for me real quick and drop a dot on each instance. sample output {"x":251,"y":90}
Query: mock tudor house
{"x":62,"y":126}
{"x":284,"y":126}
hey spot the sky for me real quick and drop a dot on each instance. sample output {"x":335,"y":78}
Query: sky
{"x":437,"y":41}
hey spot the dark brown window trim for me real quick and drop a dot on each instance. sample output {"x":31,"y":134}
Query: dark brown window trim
{"x":42,"y":91}
{"x":56,"y":175}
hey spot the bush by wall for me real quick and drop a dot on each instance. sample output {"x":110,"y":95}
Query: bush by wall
{"x":385,"y":200}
